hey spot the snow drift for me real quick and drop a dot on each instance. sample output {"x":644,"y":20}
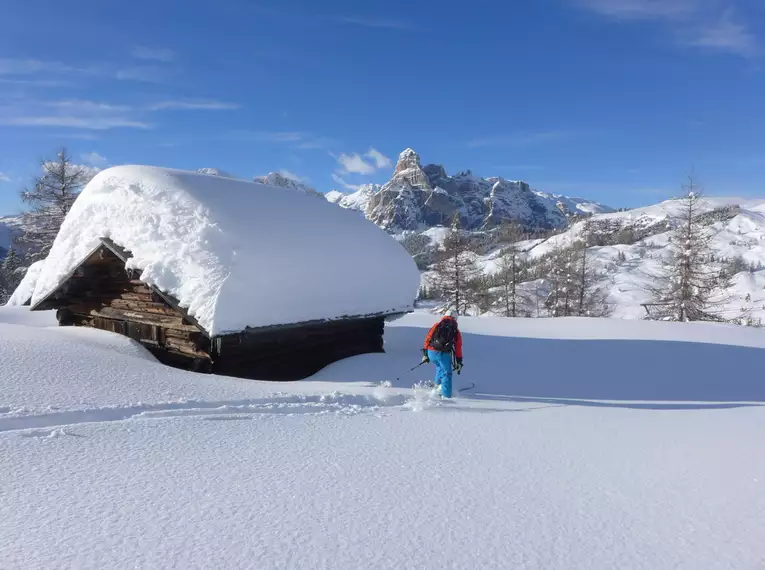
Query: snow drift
{"x":235,"y":254}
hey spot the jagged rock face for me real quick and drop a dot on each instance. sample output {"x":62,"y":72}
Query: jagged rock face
{"x":420,"y":197}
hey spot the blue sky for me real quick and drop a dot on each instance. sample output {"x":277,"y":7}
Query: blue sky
{"x":614,"y":100}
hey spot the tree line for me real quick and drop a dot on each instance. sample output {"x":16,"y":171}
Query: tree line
{"x":690,"y":282}
{"x":49,"y":199}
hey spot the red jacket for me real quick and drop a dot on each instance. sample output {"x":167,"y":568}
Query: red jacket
{"x":457,"y":341}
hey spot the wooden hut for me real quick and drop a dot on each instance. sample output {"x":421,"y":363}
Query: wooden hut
{"x":226,"y":276}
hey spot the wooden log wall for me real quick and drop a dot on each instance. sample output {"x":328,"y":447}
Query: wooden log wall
{"x":296,"y":353}
{"x":103,"y":295}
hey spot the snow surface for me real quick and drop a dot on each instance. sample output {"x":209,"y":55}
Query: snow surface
{"x":235,"y":253}
{"x":584,"y":445}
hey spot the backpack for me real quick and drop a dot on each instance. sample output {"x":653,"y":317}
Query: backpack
{"x":444,"y":336}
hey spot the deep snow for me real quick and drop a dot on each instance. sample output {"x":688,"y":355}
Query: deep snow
{"x":586,"y":444}
{"x":237,"y":254}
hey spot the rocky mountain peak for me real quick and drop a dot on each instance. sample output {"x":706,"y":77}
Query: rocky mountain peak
{"x":407,"y":160}
{"x":420,"y":197}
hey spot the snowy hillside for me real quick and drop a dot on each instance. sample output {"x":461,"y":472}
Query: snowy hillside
{"x":633,"y":245}
{"x":419,"y":197}
{"x":111,"y":460}
{"x":10,"y":227}
{"x":281,"y":181}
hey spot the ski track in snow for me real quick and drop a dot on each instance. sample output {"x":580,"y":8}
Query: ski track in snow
{"x":50,"y":425}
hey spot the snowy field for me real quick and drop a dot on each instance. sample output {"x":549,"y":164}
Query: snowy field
{"x":585,"y":444}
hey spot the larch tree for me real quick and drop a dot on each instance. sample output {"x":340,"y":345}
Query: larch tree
{"x":11,"y":274}
{"x":589,"y":299}
{"x":690,"y":285}
{"x":51,"y":197}
{"x":561,"y":278}
{"x":509,"y":298}
{"x":456,"y":273}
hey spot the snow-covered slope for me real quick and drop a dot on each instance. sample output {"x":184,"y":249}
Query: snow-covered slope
{"x":279,"y":180}
{"x":10,"y":227}
{"x":235,"y":253}
{"x":215,"y":172}
{"x":738,"y":227}
{"x":647,"y":456}
{"x":420,"y":197}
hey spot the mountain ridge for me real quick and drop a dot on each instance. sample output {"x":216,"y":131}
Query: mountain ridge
{"x":420,"y":197}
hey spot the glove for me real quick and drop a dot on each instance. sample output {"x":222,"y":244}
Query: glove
{"x":458,"y":368}
{"x":425,"y":357}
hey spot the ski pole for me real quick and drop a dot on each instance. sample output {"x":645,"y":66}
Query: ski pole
{"x":410,"y":371}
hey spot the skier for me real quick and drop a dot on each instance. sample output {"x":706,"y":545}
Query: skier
{"x":443,"y":339}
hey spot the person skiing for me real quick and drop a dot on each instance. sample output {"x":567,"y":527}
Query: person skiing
{"x":443,"y":340}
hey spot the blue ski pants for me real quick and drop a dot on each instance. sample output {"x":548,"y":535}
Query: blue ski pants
{"x":443,"y":362}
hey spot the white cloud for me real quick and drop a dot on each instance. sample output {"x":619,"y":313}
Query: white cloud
{"x":91,"y":123}
{"x":153,"y":54}
{"x":355,"y":164}
{"x":343,"y":183}
{"x":93,"y":158}
{"x":192,"y":105}
{"x":85,"y":106}
{"x":705,"y":24}
{"x":380,"y":160}
{"x":4,"y":177}
{"x":725,"y":35}
{"x":641,"y":9}
{"x":71,"y":113}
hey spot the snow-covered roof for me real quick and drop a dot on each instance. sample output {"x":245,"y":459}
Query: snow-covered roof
{"x":235,"y":254}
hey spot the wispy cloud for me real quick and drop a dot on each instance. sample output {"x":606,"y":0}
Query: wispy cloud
{"x":93,"y":158}
{"x":641,"y":9}
{"x":708,"y":24}
{"x":52,"y":70}
{"x":153,"y":54}
{"x":34,"y":82}
{"x":71,"y":113}
{"x":355,"y":163}
{"x":85,"y":106}
{"x":193,"y":105}
{"x":380,"y":160}
{"x":725,"y":35}
{"x":519,"y":139}
{"x":371,"y":22}
{"x":93,"y":123}
{"x":28,"y":66}
{"x":4,"y":177}
{"x":343,"y":183}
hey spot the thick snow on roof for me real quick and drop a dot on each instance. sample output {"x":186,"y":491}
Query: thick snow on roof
{"x":235,"y":253}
